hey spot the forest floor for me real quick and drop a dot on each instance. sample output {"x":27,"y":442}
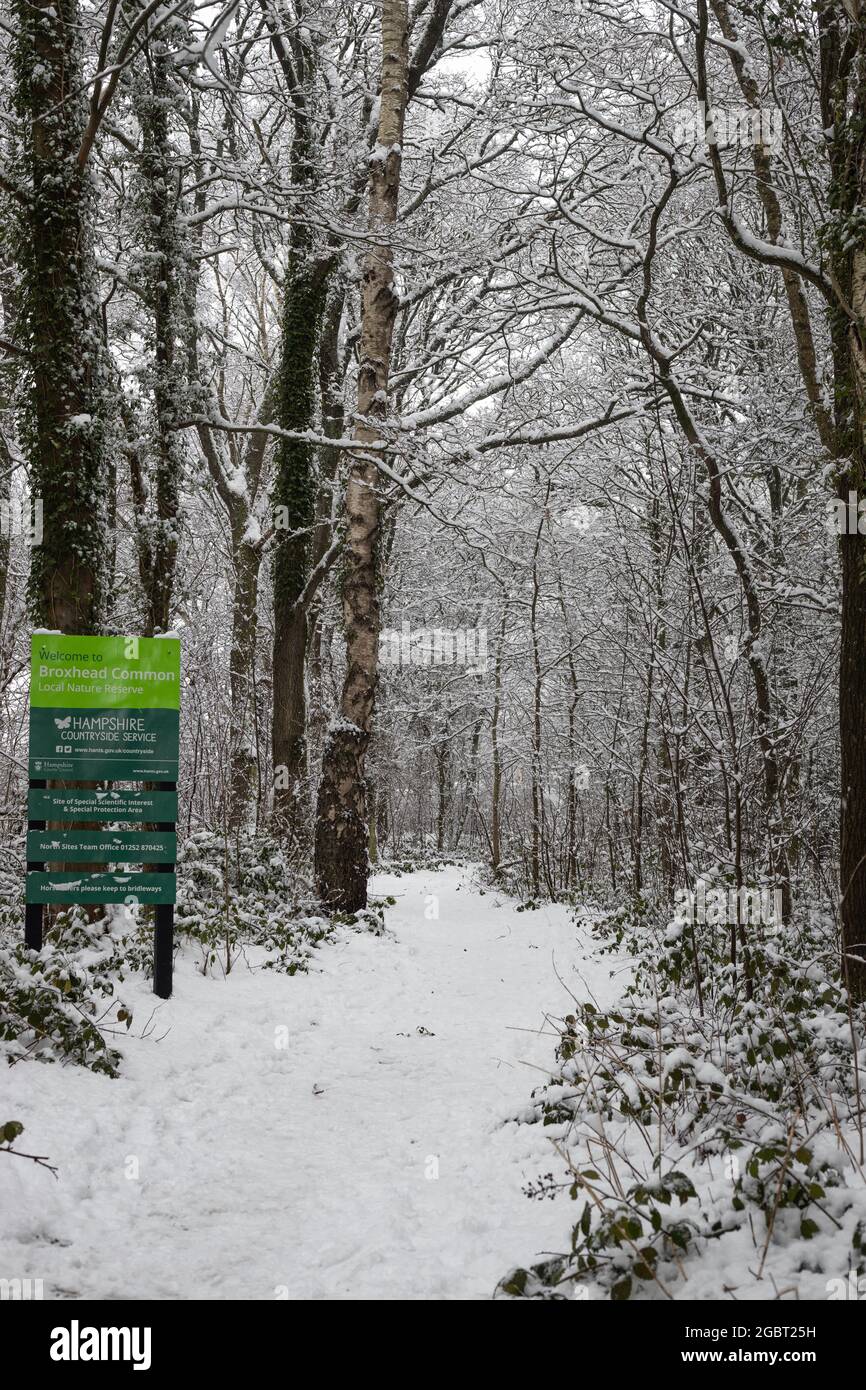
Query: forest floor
{"x":340,"y":1134}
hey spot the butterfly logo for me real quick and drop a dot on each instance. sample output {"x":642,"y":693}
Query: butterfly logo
{"x":64,"y":723}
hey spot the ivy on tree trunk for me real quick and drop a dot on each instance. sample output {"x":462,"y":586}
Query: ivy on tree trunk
{"x":65,"y":399}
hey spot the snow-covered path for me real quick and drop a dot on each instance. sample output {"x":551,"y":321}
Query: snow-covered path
{"x":301,"y":1137}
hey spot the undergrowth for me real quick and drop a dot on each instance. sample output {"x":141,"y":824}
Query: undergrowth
{"x":244,"y":902}
{"x":712,"y":1100}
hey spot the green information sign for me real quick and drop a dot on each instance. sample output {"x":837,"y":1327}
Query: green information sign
{"x":160,"y":807}
{"x":100,"y":888}
{"x":94,"y":744}
{"x":104,"y":673}
{"x":104,"y":709}
{"x":100,"y":846}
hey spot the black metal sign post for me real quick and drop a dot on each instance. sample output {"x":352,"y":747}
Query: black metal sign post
{"x":33,"y":911}
{"x":163,"y":932}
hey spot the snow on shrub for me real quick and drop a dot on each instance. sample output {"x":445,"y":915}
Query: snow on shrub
{"x":60,"y":1004}
{"x":713,"y":1104}
{"x":246,"y":893}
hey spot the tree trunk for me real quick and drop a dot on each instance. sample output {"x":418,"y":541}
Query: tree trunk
{"x":65,"y":405}
{"x":331,"y":377}
{"x":440,"y":754}
{"x":247,"y":559}
{"x":9,"y":367}
{"x":341,"y":819}
{"x":843,"y":53}
{"x":166,"y":294}
{"x":294,"y":490}
{"x":293,"y":499}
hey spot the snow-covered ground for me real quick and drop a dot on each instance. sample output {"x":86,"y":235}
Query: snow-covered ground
{"x":334,"y":1135}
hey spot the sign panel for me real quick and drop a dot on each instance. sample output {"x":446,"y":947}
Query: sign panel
{"x":95,"y":744}
{"x":160,"y":807}
{"x":100,"y":888}
{"x":104,"y":709}
{"x":104,"y":673}
{"x":99,"y":846}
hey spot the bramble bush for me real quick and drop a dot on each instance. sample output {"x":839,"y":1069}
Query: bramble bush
{"x":60,"y":1004}
{"x":748,"y":1070}
{"x":248,"y":894}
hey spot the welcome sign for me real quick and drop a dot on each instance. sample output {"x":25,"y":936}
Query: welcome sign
{"x":104,"y":672}
{"x":104,"y":708}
